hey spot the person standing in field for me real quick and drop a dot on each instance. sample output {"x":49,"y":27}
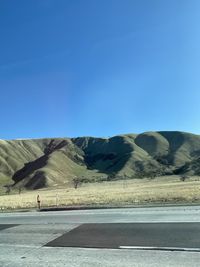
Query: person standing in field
{"x":38,"y":201}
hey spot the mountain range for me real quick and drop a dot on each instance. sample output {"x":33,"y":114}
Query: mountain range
{"x":49,"y":162}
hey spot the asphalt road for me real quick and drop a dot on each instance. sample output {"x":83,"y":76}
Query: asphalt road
{"x":132,"y":235}
{"x":26,"y":239}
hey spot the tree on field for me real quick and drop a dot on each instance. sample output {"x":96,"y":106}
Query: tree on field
{"x":8,"y":189}
{"x":183,"y":177}
{"x":19,"y":190}
{"x":76,"y":182}
{"x":111,"y":177}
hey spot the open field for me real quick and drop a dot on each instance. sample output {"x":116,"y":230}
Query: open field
{"x":138,"y":191}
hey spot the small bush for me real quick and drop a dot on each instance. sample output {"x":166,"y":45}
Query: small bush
{"x":184,"y":177}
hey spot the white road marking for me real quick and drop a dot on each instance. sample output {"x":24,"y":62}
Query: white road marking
{"x":161,"y":248}
{"x":19,"y":245}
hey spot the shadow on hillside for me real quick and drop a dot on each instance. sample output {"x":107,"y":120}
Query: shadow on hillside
{"x":38,"y":180}
{"x":29,"y":168}
{"x":106,"y":163}
{"x":176,"y":140}
{"x":107,"y":156}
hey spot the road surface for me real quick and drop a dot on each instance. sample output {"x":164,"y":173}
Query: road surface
{"x":168,"y":236}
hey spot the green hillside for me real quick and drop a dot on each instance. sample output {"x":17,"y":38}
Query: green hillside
{"x":38,"y":163}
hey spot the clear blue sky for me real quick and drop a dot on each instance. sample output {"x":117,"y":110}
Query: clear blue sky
{"x":98,"y":67}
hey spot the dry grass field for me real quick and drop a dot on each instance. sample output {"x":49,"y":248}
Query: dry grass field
{"x":116,"y":193}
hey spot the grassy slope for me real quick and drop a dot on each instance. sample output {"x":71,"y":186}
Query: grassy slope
{"x":13,"y":155}
{"x":52,"y":162}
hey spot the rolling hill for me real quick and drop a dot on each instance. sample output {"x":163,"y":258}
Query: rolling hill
{"x":49,"y":162}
